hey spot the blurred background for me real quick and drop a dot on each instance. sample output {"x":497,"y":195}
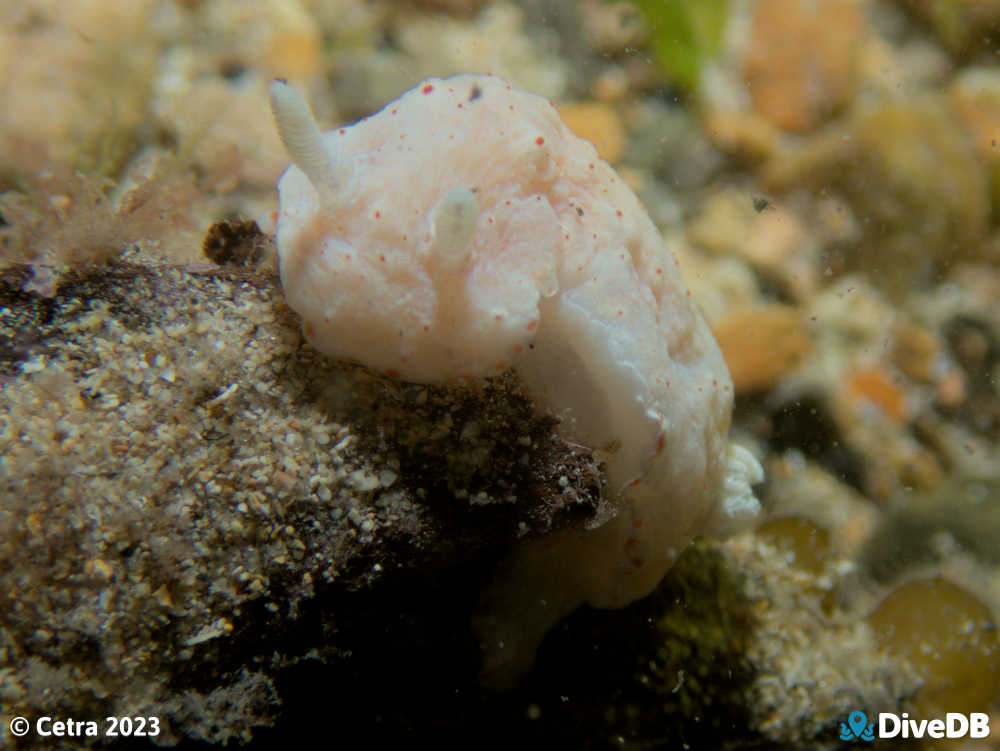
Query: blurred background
{"x":828,"y":174}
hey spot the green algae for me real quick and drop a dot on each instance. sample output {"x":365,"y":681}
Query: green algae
{"x":685,"y":36}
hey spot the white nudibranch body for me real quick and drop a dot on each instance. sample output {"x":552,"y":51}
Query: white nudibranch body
{"x":464,"y":230}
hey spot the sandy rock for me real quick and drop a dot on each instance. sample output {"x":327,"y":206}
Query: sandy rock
{"x":963,"y":26}
{"x":772,"y":238}
{"x":915,"y":187}
{"x":224,"y":125}
{"x":975,"y":96}
{"x":799,"y":62}
{"x":761,"y":345}
{"x":80,"y":75}
{"x":182,"y":482}
{"x":599,"y":124}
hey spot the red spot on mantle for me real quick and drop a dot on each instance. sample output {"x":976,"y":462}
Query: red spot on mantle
{"x":427,"y":89}
{"x":635,"y":560}
{"x":532,"y":326}
{"x":539,"y":140}
{"x":378,"y":214}
{"x":392,"y":373}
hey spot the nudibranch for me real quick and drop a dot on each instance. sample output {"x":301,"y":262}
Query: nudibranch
{"x":464,"y":230}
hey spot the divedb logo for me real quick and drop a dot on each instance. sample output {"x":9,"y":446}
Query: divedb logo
{"x":954,"y":725}
{"x":857,"y":727}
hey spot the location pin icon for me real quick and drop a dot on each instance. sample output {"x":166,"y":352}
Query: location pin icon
{"x":857,"y":721}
